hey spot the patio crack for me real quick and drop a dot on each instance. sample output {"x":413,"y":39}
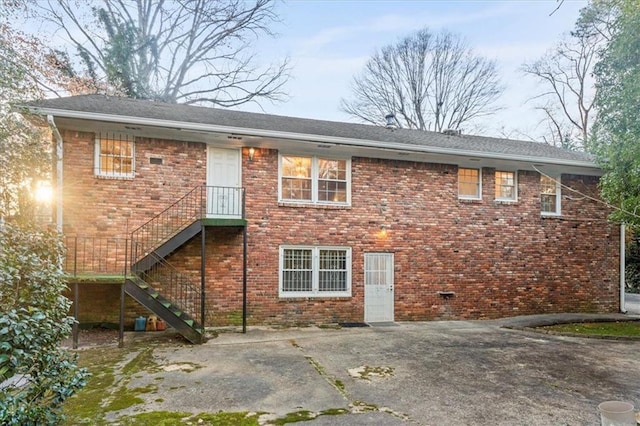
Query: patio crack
{"x":355,"y":406}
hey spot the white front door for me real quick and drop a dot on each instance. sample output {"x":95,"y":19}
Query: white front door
{"x":378,"y":287}
{"x":224,"y":182}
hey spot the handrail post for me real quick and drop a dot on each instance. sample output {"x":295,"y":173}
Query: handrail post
{"x":126,"y":257}
{"x":244,"y":199}
{"x":75,"y":256}
{"x":202,"y":277}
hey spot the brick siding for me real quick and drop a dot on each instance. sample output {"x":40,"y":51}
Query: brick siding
{"x":500,"y":259}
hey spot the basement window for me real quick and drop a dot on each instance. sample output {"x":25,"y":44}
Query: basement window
{"x":114,"y":155}
{"x":315,"y":271}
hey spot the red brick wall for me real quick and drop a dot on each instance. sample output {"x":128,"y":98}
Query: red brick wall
{"x":500,"y":259}
{"x":99,"y":305}
{"x":104,"y":207}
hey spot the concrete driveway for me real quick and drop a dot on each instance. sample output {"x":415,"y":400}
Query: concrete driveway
{"x":434,"y":373}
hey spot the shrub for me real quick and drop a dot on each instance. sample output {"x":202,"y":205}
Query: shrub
{"x":36,"y":374}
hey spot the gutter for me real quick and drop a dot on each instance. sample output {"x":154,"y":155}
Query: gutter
{"x":241,"y":131}
{"x":59,"y":181}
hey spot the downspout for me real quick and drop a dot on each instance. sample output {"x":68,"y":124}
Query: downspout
{"x":59,"y":151}
{"x":622,"y":267}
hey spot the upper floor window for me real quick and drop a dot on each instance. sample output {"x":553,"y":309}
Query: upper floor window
{"x":114,"y":155}
{"x":550,"y":195}
{"x":505,"y":186}
{"x":469,"y":183}
{"x":314,"y":180}
{"x":315,"y":271}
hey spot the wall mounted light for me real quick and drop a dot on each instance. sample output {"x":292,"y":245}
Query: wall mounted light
{"x":252,"y":152}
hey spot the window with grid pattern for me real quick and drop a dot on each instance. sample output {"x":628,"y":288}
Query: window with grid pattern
{"x":315,"y":271}
{"x":550,"y":195}
{"x":314,"y":180}
{"x":114,"y":155}
{"x":469,"y":183}
{"x":505,"y":186}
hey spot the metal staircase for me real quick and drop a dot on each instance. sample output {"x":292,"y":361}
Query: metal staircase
{"x":156,"y":284}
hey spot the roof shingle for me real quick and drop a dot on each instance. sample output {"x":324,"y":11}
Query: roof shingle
{"x":125,"y":107}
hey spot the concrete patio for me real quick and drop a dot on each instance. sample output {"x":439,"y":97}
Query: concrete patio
{"x":433,"y":373}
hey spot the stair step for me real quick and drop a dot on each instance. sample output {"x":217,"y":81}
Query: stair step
{"x":189,"y":322}
{"x":177,"y":313}
{"x":166,"y":304}
{"x":155,"y":294}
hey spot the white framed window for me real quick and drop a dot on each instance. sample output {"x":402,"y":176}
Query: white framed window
{"x":315,"y":271}
{"x":469,"y":183}
{"x":314,"y":180}
{"x":550,"y":195}
{"x":506,"y":186}
{"x":115,"y":155}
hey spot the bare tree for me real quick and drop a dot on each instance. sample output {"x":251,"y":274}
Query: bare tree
{"x":187,"y":51}
{"x":566,"y":75}
{"x":429,"y":82}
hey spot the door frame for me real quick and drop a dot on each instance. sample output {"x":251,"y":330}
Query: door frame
{"x":209,"y":177}
{"x":390,"y":313}
{"x":236,"y":150}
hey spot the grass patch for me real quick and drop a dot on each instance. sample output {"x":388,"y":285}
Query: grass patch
{"x":617,"y":328}
{"x":153,"y":418}
{"x":170,"y":418}
{"x":85,"y":407}
{"x":304,"y":415}
{"x":226,"y":419}
{"x":107,"y":389}
{"x":297,"y":416}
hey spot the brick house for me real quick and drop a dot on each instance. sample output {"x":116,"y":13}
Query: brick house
{"x":298,"y":221}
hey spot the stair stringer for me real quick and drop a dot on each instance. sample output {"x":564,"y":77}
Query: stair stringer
{"x":181,"y":321}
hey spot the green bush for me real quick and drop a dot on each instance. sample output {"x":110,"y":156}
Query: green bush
{"x":36,"y":374}
{"x":632,"y":270}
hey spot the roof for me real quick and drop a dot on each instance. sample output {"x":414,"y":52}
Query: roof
{"x":179,"y":115}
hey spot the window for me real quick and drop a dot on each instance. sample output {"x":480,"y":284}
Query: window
{"x":114,"y":155}
{"x":315,"y":271}
{"x":550,"y":195}
{"x":314,"y":180}
{"x":469,"y":185}
{"x":505,"y":186}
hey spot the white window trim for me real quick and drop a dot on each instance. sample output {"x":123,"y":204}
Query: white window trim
{"x":315,"y":259}
{"x":467,"y":197}
{"x":97,"y":165}
{"x":314,"y":180}
{"x":558,"y":211}
{"x":515,"y":186}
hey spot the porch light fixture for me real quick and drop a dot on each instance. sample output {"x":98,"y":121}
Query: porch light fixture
{"x":252,"y":152}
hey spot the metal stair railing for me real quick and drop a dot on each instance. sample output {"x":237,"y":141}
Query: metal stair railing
{"x":176,"y":287}
{"x":199,"y":203}
{"x":167,"y":223}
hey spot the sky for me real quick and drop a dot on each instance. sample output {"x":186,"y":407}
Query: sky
{"x":329,"y":41}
